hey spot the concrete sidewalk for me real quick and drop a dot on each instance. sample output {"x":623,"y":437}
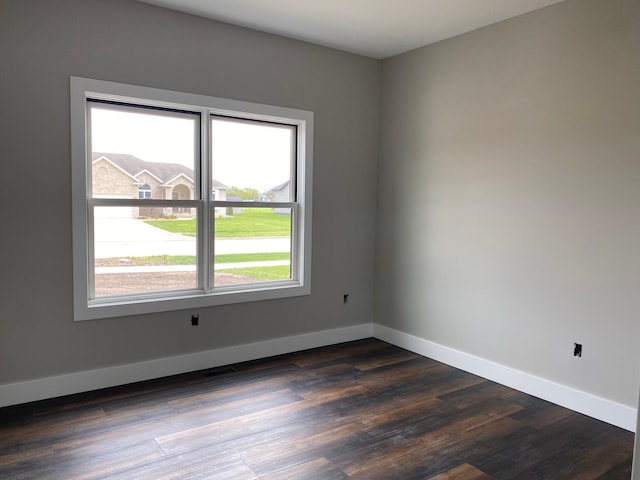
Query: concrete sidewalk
{"x":187,"y":268}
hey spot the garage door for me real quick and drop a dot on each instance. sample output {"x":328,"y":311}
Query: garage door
{"x":106,"y":213}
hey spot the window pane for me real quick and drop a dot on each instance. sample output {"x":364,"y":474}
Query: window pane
{"x":135,"y":256}
{"x":142,"y":153}
{"x":252,"y":160}
{"x":252,"y":245}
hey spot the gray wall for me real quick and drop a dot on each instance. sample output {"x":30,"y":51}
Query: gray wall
{"x":509,"y":194}
{"x":635,"y":472}
{"x":42,"y":43}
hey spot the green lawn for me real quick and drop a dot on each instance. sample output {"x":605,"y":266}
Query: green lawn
{"x":280,"y":272}
{"x":252,"y":222}
{"x":251,"y":257}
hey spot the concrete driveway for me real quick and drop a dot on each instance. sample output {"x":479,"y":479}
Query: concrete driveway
{"x":127,"y":237}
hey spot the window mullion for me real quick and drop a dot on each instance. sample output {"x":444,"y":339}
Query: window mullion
{"x":205,"y":226}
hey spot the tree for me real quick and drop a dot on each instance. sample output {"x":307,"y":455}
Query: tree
{"x":244,"y":193}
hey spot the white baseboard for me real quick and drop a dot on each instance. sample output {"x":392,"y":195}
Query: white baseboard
{"x":50,"y":387}
{"x":579,"y":401}
{"x":600,"y":408}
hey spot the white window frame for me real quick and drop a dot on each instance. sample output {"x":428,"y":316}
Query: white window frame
{"x":146,"y":192}
{"x":82,"y":89}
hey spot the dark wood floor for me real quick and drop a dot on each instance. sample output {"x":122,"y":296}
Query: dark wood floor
{"x":359,"y":410}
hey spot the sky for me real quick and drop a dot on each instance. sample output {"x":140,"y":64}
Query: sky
{"x":245,"y":154}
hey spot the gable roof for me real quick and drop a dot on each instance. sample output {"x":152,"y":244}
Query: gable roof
{"x":280,"y":187}
{"x":134,"y":166}
{"x":164,"y":172}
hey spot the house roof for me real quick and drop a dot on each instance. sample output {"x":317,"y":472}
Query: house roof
{"x":164,"y":172}
{"x":280,"y":187}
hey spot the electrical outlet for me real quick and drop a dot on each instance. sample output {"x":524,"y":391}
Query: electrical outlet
{"x":577,"y":350}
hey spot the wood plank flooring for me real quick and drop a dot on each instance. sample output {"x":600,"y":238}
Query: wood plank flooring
{"x":361,"y":410}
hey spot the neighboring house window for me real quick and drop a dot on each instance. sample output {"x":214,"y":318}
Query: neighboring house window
{"x":144,"y":191}
{"x":131,"y":254}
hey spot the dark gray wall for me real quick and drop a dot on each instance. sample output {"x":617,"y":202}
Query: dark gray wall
{"x":42,"y":43}
{"x":509,"y":199}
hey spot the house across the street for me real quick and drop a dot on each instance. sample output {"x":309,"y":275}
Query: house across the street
{"x":120,"y":175}
{"x":281,"y":194}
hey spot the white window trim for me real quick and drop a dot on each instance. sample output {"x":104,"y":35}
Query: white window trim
{"x":146,"y":191}
{"x":83,"y":88}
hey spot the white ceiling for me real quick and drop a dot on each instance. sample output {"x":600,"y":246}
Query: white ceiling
{"x":374,"y":28}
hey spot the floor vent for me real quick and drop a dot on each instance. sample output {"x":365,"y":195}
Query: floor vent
{"x":214,"y":372}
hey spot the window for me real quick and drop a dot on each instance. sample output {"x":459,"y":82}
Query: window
{"x":144,"y":191}
{"x":147,"y":237}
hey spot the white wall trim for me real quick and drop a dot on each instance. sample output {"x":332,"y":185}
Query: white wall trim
{"x":606,"y":410}
{"x":50,"y":387}
{"x":600,"y":408}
